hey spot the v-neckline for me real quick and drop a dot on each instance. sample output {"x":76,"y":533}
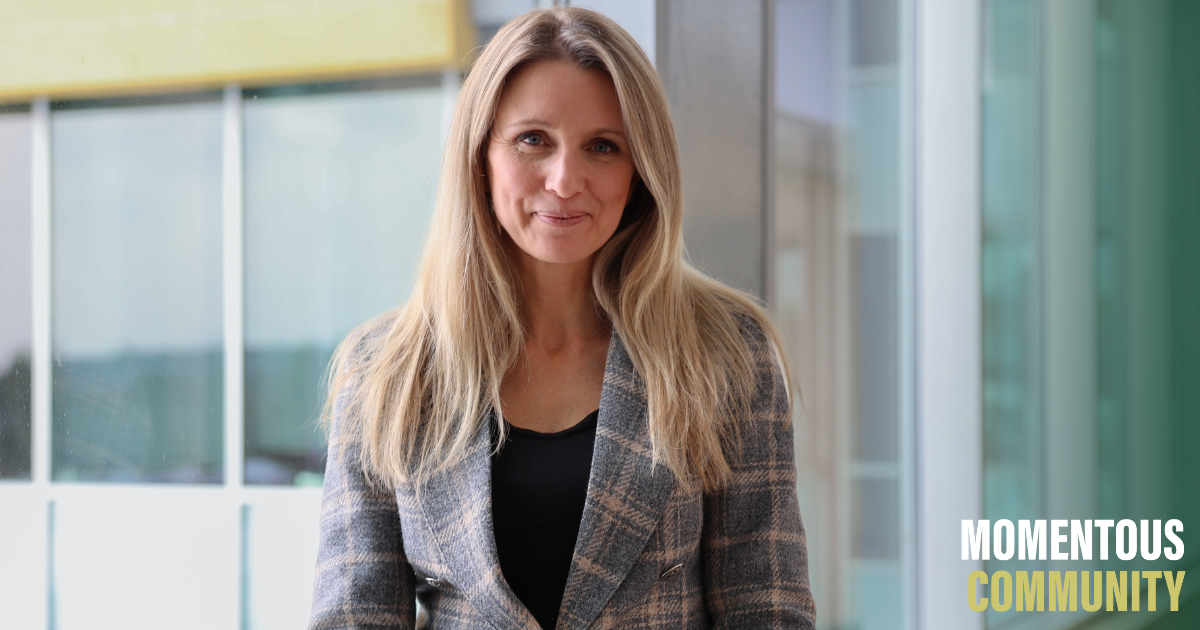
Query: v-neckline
{"x":625,"y":498}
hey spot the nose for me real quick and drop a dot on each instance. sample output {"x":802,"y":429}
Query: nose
{"x":566,"y":176}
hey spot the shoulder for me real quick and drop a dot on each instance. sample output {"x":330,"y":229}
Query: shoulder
{"x":758,"y":334}
{"x":762,"y":341}
{"x":717,"y":305}
{"x":362,"y":343}
{"x":753,"y":326}
{"x":352,"y":363}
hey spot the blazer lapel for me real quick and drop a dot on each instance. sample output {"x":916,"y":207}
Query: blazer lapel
{"x":625,"y":496}
{"x":457,"y":504}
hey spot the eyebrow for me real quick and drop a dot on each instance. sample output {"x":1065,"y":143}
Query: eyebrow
{"x":543,"y":123}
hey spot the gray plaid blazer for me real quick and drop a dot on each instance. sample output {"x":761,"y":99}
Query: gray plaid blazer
{"x":649,"y":555}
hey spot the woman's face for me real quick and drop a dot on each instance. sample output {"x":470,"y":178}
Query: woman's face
{"x":558,"y":163}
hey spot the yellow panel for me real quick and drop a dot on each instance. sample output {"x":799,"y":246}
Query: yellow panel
{"x":73,"y":47}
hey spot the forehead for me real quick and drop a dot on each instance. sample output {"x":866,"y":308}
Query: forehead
{"x":561,"y":93}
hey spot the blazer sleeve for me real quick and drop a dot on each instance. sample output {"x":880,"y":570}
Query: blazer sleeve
{"x":363,"y":580}
{"x":754,"y":552}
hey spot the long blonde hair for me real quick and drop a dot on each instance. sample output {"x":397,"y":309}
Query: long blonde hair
{"x":427,"y":373}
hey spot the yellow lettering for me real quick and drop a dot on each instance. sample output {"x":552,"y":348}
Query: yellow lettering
{"x":1006,"y":591}
{"x":1174,"y":585}
{"x":1097,"y":597}
{"x":1064,"y":588}
{"x":1115,"y":589}
{"x":1027,"y":589}
{"x":1152,"y":589}
{"x":977,"y":603}
{"x":1135,"y":583}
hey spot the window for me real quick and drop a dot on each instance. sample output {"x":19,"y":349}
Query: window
{"x":339,"y":189}
{"x":16,"y":326}
{"x":842,"y":272}
{"x":137,"y":326}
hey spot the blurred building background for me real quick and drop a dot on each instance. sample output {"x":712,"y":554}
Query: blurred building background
{"x":974,"y":220}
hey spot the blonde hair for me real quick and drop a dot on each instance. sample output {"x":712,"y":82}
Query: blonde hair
{"x":427,"y":373}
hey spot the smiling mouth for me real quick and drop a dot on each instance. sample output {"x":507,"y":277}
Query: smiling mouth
{"x":561,"y":218}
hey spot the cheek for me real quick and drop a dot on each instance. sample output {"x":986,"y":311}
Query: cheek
{"x":509,"y":179}
{"x":505,"y":184}
{"x":616,"y":187}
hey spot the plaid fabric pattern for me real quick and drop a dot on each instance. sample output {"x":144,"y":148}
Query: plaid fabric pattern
{"x":649,"y":555}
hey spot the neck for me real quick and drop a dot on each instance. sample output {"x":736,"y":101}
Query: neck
{"x":559,"y":305}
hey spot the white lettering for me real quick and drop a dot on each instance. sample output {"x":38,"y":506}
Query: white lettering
{"x":1005,"y":527}
{"x":1103,"y":525}
{"x":1146,"y":553}
{"x":1126,"y":539}
{"x":1031,"y":539}
{"x":1174,"y":525}
{"x":973,"y":539}
{"x":1081,"y":540}
{"x":1057,"y":539}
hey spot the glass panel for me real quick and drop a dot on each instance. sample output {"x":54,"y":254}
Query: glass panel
{"x":1180,"y":164}
{"x":339,"y":188}
{"x":840,"y":250}
{"x":1012,"y":289}
{"x":137,"y":292}
{"x":16,"y":331}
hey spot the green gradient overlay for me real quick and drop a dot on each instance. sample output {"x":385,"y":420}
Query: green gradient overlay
{"x":1092,"y":274}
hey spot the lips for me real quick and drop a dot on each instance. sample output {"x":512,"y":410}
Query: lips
{"x":561,"y":218}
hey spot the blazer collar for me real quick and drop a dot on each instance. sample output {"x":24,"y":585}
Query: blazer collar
{"x":625,"y":498}
{"x":457,"y":504}
{"x":624,"y":504}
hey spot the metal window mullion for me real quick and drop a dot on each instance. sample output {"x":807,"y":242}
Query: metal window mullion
{"x":42,"y":352}
{"x":907,"y":321}
{"x":769,"y":232}
{"x":948,"y":303}
{"x":233,"y":295}
{"x":451,"y":84}
{"x":40,"y":453}
{"x":234,"y":326}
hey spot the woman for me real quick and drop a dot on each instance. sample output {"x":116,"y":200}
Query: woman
{"x":553,"y":285}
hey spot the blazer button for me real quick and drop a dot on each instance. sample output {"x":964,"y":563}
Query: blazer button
{"x":672,"y":572}
{"x":436,"y":583}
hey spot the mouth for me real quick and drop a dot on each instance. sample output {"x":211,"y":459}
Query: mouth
{"x":561,"y":218}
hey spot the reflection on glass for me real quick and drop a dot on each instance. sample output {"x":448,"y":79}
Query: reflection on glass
{"x":839,"y":248}
{"x":16,"y":330}
{"x":1012,"y":289}
{"x":137,"y":324}
{"x":339,"y":187}
{"x":1011,"y":274}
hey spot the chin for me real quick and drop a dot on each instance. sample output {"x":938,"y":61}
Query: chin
{"x":559,"y":249}
{"x":561,"y":258}
{"x":564,"y":255}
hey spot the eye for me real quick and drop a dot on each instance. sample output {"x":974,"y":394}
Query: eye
{"x":530,"y":139}
{"x":604,"y":147}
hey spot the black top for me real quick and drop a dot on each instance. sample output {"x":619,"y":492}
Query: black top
{"x":539,"y":483}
